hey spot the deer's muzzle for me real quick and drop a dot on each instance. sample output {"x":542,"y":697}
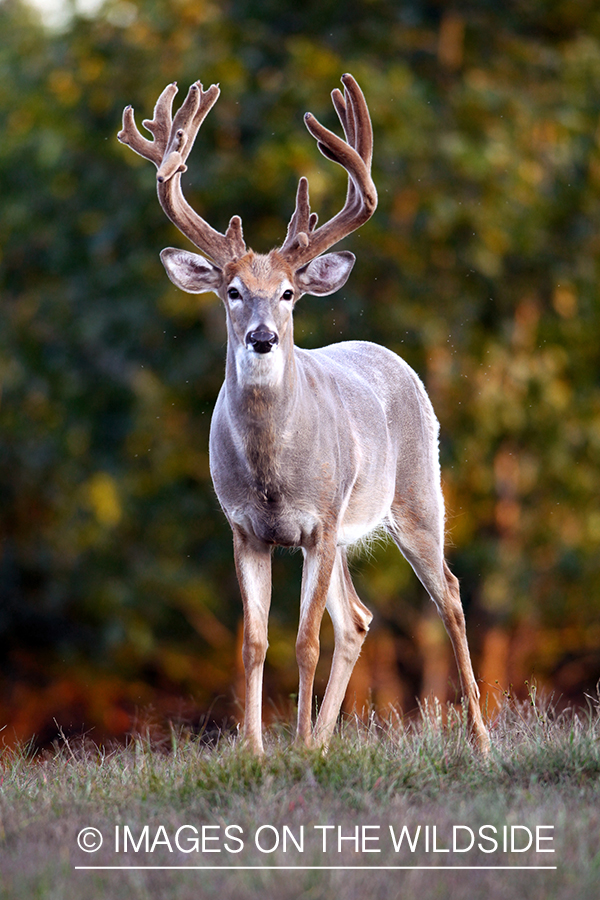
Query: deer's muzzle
{"x":262,"y":340}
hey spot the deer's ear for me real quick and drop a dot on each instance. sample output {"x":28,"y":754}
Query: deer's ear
{"x":190,"y":271}
{"x":325,"y":274}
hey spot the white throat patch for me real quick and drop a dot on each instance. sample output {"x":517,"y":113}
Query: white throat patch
{"x":259,"y":369}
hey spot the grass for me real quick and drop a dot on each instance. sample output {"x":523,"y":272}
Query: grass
{"x":543,"y":771}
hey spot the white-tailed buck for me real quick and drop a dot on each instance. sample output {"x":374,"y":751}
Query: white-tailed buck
{"x":308,"y":448}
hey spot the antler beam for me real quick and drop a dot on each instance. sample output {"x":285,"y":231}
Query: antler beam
{"x":173,"y":141}
{"x":304,"y":241}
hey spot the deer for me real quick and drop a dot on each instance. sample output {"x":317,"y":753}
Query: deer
{"x":311,"y":449}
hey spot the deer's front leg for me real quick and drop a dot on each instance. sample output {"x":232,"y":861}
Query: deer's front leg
{"x":253,"y":567}
{"x":316,"y":575}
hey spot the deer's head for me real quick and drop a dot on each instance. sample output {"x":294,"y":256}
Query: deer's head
{"x":259,"y":291}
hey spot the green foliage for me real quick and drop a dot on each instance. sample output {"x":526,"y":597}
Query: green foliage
{"x":480,"y":268}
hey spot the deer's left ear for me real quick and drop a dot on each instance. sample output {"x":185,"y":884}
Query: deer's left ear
{"x":325,"y":274}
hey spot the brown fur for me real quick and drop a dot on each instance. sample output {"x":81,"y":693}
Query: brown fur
{"x":261,"y":273}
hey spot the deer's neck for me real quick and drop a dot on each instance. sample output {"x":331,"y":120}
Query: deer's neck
{"x":262,"y":389}
{"x":262,"y":401}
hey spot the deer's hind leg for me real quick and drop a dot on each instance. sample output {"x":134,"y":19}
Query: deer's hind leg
{"x":418,"y":533}
{"x":351,"y":620}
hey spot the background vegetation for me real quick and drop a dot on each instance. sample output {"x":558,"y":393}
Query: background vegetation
{"x":480,"y":267}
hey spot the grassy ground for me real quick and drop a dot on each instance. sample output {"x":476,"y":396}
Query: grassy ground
{"x":543,"y":771}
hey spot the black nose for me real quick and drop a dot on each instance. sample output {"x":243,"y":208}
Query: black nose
{"x":262,"y":340}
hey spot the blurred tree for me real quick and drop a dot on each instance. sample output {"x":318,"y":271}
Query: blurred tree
{"x":480,"y":267}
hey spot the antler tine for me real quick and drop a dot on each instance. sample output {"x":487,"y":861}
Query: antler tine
{"x":358,"y":112}
{"x":173,"y":141}
{"x":353,"y":113}
{"x":130,"y":135}
{"x":345,"y":111}
{"x":345,"y":115}
{"x":185,"y":127}
{"x":160,"y":124}
{"x":300,"y":223}
{"x":303,"y":240}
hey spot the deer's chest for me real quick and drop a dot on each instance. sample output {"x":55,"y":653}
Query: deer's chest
{"x":275,"y":523}
{"x":275,"y":499}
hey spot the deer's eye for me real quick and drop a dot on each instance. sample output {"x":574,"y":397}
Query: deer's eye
{"x":287,"y":295}
{"x":233,"y":294}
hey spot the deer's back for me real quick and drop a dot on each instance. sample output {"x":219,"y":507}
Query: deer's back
{"x":369,"y":375}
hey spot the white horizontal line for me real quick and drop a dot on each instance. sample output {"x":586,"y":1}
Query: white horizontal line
{"x":313,"y":868}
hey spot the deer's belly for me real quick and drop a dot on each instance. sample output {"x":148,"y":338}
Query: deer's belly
{"x":355,"y":529}
{"x":368,"y":502}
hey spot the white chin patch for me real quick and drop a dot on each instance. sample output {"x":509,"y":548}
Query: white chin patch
{"x":259,"y":369}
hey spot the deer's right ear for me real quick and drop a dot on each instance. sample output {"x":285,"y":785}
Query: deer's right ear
{"x":190,"y":271}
